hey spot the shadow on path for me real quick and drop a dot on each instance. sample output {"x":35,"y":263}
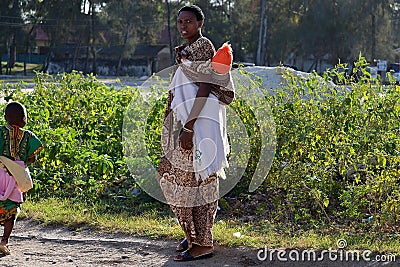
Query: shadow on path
{"x":34,"y":244}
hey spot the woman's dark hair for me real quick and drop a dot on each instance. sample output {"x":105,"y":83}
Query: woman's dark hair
{"x":195,"y":9}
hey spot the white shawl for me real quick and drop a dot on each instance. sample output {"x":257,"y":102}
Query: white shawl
{"x":210,"y":139}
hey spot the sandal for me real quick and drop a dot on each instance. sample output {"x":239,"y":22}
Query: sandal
{"x":184,"y":245}
{"x":186,"y":256}
{"x":4,"y":250}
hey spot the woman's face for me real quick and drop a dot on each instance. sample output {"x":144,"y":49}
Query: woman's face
{"x":188,"y":26}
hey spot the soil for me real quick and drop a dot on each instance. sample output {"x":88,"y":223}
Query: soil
{"x":34,"y":244}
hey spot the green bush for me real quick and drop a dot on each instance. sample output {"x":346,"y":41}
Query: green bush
{"x":337,"y":149}
{"x":79,"y":120}
{"x":337,"y":155}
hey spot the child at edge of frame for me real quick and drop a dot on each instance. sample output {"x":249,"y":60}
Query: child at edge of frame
{"x":18,"y":149}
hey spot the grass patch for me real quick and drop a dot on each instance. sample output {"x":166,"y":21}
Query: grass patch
{"x":18,"y":68}
{"x":227,"y":232}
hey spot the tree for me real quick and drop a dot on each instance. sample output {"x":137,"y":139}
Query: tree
{"x":318,"y":30}
{"x":62,"y":20}
{"x":217,"y":23}
{"x":171,"y":51}
{"x":92,"y":34}
{"x":12,"y":24}
{"x":244,"y":29}
{"x":268,"y":32}
{"x":29,"y":9}
{"x":262,"y":34}
{"x":132,"y":22}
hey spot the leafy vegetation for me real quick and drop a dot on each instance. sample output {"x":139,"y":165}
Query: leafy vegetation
{"x":337,"y":157}
{"x":337,"y":160}
{"x":79,"y":120}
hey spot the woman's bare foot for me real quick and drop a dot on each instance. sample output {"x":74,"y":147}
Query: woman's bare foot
{"x":4,"y":249}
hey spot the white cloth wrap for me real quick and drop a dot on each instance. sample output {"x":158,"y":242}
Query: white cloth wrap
{"x":210,"y":139}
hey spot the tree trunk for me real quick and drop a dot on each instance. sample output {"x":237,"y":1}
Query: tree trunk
{"x":262,"y":34}
{"x":28,"y":45}
{"x":12,"y":54}
{"x":26,"y":55}
{"x":171,"y":51}
{"x":264,"y":40}
{"x":85,"y":68}
{"x":76,"y":51}
{"x":93,"y":37}
{"x":373,"y":29}
{"x":126,"y":39}
{"x":127,"y":33}
{"x":48,"y":56}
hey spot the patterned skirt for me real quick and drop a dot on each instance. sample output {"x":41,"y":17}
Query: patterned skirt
{"x":193,"y":202}
{"x":8,"y":209}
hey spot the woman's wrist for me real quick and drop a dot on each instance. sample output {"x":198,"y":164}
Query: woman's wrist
{"x":189,"y":125}
{"x":185,"y":129}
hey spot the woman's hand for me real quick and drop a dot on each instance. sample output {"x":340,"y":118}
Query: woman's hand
{"x":186,"y":140}
{"x":186,"y":135}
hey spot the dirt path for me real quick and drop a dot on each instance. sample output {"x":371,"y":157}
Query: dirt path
{"x":37,"y":245}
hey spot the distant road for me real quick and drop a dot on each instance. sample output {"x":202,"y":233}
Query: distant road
{"x":26,"y":82}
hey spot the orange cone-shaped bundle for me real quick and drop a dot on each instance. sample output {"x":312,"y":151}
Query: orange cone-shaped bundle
{"x":222,"y":61}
